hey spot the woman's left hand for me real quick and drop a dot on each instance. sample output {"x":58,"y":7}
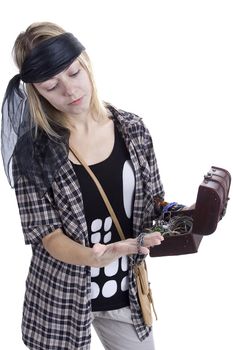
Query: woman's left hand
{"x":105,"y":254}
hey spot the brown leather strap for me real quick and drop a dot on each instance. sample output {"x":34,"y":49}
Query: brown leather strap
{"x":101,"y":191}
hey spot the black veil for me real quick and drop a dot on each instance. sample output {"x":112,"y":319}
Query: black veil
{"x":26,"y":149}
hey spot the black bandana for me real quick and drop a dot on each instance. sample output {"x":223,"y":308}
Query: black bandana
{"x":50,"y":57}
{"x":47,"y":59}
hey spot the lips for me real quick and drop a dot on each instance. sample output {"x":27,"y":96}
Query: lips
{"x":76,"y":102}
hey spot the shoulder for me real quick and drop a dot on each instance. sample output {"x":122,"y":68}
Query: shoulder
{"x":26,"y":145}
{"x":37,"y":145}
{"x":38,"y":158}
{"x":133,"y":128}
{"x":128,"y":120}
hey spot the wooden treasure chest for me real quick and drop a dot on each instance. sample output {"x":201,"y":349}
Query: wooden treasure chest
{"x":209,"y":209}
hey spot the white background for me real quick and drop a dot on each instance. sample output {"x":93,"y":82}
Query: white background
{"x":171,"y":62}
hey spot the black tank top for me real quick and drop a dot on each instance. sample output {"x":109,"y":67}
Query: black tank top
{"x":109,"y":285}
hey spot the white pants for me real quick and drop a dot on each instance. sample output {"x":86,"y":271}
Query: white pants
{"x":116,"y":331}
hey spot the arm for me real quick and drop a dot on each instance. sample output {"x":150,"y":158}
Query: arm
{"x":65,"y":249}
{"x":41,"y":224}
{"x":156,"y":183}
{"x":157,"y":186}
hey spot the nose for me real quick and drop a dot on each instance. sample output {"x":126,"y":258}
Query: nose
{"x":68,"y":88}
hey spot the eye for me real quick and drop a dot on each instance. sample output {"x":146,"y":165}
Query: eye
{"x":52,"y":88}
{"x":75,"y":73}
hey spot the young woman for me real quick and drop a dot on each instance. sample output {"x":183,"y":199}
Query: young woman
{"x":81,"y":272}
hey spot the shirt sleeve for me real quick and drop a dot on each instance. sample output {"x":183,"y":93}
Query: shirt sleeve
{"x":38,"y":215}
{"x":157,"y":186}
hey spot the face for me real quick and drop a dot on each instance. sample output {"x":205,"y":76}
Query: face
{"x":69,"y":91}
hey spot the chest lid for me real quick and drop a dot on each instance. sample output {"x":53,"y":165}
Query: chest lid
{"x":211,"y":202}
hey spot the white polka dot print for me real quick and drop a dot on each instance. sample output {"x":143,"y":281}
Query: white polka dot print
{"x":109,"y":289}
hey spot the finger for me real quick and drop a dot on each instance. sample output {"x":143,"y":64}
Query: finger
{"x":121,"y":248}
{"x":143,"y":250}
{"x":154,"y":234}
{"x":153,"y":240}
{"x":99,"y":249}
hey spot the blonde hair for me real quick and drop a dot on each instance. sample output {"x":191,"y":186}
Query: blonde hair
{"x":42,"y":112}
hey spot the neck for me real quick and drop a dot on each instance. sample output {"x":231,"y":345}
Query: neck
{"x":83,"y":120}
{"x":85,"y":123}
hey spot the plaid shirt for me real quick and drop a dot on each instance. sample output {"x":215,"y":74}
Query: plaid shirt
{"x":57,"y":304}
